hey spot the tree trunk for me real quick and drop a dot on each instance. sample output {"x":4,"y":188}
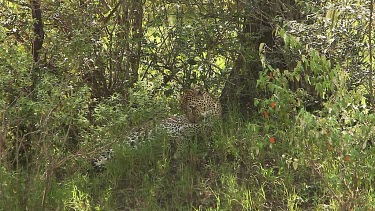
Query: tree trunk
{"x":257,"y":27}
{"x":36,"y":14}
{"x":240,"y":89}
{"x":38,"y":29}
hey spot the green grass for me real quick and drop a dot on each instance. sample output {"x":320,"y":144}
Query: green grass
{"x":237,"y":168}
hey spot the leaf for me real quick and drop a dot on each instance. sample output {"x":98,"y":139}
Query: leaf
{"x":272,"y":140}
{"x":347,"y":158}
{"x":273,"y":104}
{"x":261,"y":48}
{"x":265,"y":114}
{"x":295,"y":164}
{"x":298,"y":77}
{"x":256,"y":102}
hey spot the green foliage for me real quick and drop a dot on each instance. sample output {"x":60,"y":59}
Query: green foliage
{"x":107,"y":67}
{"x":337,"y":29}
{"x":332,"y":142}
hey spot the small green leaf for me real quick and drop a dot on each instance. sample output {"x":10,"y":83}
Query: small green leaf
{"x":295,"y":164}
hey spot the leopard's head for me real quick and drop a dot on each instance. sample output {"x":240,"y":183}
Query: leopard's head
{"x":199,"y":105}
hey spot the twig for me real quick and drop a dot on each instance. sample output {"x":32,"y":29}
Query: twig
{"x":370,"y":54}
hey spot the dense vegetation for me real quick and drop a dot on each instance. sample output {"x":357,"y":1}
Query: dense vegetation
{"x":295,"y":79}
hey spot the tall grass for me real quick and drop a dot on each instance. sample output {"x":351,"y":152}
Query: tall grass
{"x":236,"y":168}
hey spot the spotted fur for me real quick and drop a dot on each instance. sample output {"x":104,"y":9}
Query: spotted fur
{"x":176,"y":128}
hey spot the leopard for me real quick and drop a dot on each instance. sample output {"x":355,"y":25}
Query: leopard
{"x":199,"y":110}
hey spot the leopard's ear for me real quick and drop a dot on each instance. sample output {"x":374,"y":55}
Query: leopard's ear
{"x":195,"y":88}
{"x":198,"y":90}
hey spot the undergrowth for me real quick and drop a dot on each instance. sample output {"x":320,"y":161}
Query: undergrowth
{"x":241,"y":167}
{"x":284,"y":158}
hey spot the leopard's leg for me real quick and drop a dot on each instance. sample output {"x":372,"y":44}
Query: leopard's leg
{"x":179,"y":148}
{"x":100,"y":162}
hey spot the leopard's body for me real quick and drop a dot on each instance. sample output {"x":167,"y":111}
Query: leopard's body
{"x":199,"y":108}
{"x":177,"y":126}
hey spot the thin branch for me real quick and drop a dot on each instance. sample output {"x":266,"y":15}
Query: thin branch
{"x":106,"y":19}
{"x":371,"y":74}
